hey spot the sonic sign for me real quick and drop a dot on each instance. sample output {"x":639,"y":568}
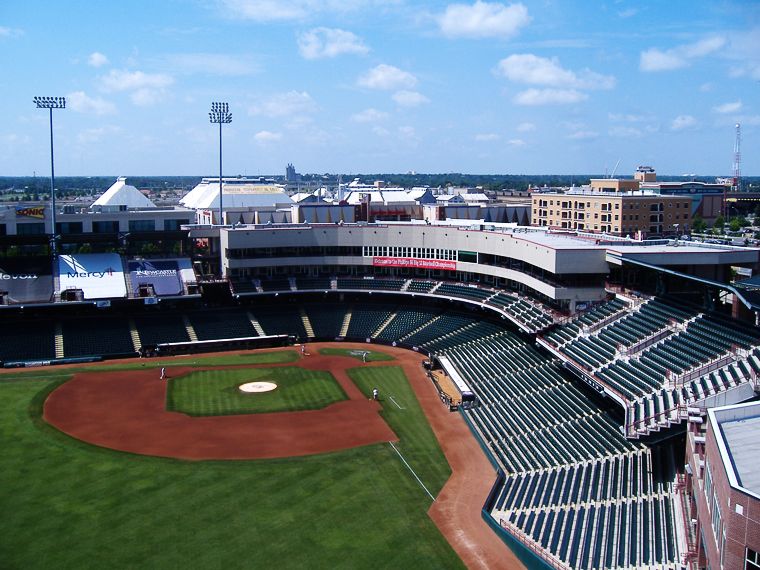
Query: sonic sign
{"x":414,"y":263}
{"x":30,"y":212}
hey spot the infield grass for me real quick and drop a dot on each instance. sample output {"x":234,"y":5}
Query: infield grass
{"x":215,"y":392}
{"x":356,"y":353}
{"x":69,"y":505}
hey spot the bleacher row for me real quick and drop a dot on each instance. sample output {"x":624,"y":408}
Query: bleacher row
{"x":652,"y":378}
{"x":531,"y":316}
{"x":109,"y":335}
{"x":574,"y":486}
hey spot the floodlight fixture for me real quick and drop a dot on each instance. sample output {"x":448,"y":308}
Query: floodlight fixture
{"x":220,"y":114}
{"x":51,"y":103}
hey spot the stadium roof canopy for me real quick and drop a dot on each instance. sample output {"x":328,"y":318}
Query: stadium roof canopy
{"x":237,"y":194}
{"x":122,"y":194}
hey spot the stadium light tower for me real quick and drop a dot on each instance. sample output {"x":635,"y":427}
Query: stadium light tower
{"x":51,"y":103}
{"x":220,"y":113}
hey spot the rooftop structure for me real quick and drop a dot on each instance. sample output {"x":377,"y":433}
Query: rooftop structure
{"x":737,"y":430}
{"x":122,"y":195}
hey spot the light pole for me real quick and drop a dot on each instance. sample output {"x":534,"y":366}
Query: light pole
{"x":220,"y":113}
{"x":51,"y":103}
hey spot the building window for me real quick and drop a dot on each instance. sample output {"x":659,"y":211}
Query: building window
{"x":142,"y":226}
{"x":173,"y":225}
{"x":69,"y":228}
{"x":752,"y":561}
{"x":30,"y":229}
{"x":105,"y":227}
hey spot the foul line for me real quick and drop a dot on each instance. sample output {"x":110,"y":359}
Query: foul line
{"x":395,"y":402}
{"x":412,"y":471}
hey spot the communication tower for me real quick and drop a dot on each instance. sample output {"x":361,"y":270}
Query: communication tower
{"x":737,"y":174}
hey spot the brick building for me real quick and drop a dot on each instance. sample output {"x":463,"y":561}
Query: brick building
{"x":723,"y":484}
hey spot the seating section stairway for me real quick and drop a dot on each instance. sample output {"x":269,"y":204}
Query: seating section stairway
{"x":575,"y":487}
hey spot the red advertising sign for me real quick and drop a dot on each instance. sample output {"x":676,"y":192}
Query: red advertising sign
{"x":414,"y":263}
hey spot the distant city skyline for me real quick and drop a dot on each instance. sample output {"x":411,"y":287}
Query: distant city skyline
{"x":394,"y":86}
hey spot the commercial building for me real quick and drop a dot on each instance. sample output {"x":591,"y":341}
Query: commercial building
{"x":634,"y":213}
{"x":723,"y":483}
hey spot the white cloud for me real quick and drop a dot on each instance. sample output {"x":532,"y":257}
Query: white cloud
{"x":516,"y":142}
{"x":654,"y":59}
{"x":122,"y":80}
{"x":285,"y":104}
{"x":627,"y":13}
{"x":80,"y":102}
{"x":623,"y":132}
{"x":320,"y":43}
{"x":96,"y":59}
{"x":145,"y":88}
{"x":212,"y":64}
{"x":726,"y":108}
{"x":89,"y":136}
{"x":682,"y":122}
{"x":706,"y":87}
{"x":534,"y":70}
{"x":531,"y":97}
{"x":627,"y":118}
{"x":409,"y":98}
{"x":380,"y":131}
{"x":387,"y":77}
{"x":369,"y":116}
{"x":10,"y":32}
{"x":266,"y":137}
{"x":487,"y":137}
{"x":483,"y":20}
{"x":583,"y":135}
{"x":265,"y":10}
{"x":407,"y":132}
{"x":526,"y":127}
{"x":284,"y":10}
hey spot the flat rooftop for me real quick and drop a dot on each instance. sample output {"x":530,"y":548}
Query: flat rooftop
{"x":737,"y":433}
{"x":742,"y":439}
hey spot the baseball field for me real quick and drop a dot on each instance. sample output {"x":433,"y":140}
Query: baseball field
{"x":71,"y":499}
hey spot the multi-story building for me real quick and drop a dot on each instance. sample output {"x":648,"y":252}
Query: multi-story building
{"x":611,"y":211}
{"x":723,"y":483}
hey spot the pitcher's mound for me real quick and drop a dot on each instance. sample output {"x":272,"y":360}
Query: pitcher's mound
{"x":255,"y":387}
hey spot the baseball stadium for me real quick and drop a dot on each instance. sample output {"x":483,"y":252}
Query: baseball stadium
{"x":364,"y":394}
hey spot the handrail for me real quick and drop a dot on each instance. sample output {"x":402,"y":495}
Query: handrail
{"x":533,"y":545}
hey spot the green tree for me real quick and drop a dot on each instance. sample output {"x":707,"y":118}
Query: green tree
{"x":698,"y":225}
{"x":734,"y":225}
{"x":720,"y":222}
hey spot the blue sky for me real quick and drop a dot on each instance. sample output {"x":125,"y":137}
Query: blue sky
{"x":381,"y":86}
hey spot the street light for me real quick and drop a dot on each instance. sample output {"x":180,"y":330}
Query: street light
{"x":51,"y":103}
{"x":220,"y":113}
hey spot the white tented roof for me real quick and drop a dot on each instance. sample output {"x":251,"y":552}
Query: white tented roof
{"x":237,"y":194}
{"x":122,"y":194}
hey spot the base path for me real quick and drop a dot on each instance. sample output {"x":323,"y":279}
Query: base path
{"x":126,"y":410}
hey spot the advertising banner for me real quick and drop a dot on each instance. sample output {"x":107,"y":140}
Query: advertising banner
{"x":414,"y":263}
{"x":30,"y":212}
{"x":26,"y":279}
{"x":162,"y":274}
{"x":98,"y":275}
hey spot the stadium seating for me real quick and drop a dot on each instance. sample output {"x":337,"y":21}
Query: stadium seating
{"x":156,"y":329}
{"x":574,"y":484}
{"x":313,"y":283}
{"x":101,"y":336}
{"x":280,"y":320}
{"x":366,"y":319}
{"x":221,"y":323}
{"x":25,"y":340}
{"x":326,"y":319}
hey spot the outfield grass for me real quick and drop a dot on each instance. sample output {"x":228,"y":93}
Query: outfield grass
{"x":356,"y":353}
{"x":50,"y":372}
{"x":402,"y":411}
{"x":69,"y":505}
{"x":215,"y":392}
